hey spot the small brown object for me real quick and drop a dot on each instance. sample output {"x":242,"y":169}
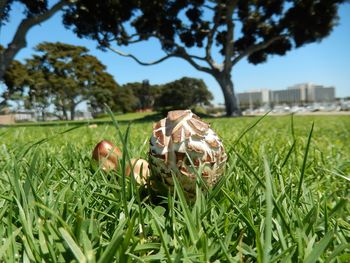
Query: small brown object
{"x":140,"y":170}
{"x":107,"y":154}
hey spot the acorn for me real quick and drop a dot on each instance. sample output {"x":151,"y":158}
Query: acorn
{"x":140,"y":170}
{"x":107,"y":154}
{"x":182,"y":144}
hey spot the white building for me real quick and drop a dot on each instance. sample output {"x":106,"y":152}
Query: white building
{"x":296,"y":95}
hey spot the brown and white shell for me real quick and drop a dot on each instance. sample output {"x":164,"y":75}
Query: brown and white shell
{"x":183,"y":144}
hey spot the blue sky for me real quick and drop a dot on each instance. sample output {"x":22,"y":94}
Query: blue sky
{"x":326,"y":63}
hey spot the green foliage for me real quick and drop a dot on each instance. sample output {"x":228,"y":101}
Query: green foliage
{"x":124,"y":100}
{"x":184,"y":93}
{"x":55,"y":207}
{"x":64,"y":75}
{"x":191,"y":23}
{"x":15,"y":78}
{"x":144,"y":92}
{"x":72,"y":76}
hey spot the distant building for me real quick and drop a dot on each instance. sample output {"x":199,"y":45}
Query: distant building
{"x":310,"y":93}
{"x":24,"y":116}
{"x":83,"y":115}
{"x":247,"y":99}
{"x":288,"y":96}
{"x":19,"y":116}
{"x":295,"y":95}
{"x":254,"y":98}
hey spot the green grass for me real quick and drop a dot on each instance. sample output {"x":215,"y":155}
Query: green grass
{"x":133,"y":116}
{"x":284,"y":197}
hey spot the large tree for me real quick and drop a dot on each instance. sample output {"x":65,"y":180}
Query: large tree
{"x":63,"y":76}
{"x":35,"y":12}
{"x":40,"y":91}
{"x":239,"y":28}
{"x":184,"y":93}
{"x":71,"y":76}
{"x":144,"y":92}
{"x":124,"y":100}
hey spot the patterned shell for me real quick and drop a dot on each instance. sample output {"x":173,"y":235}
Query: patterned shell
{"x":183,"y":144}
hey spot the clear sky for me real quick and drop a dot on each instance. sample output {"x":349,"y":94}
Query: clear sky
{"x":326,"y":63}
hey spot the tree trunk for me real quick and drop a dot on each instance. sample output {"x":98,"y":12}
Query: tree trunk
{"x":72,"y":113}
{"x":231,"y":102}
{"x":43,"y":117}
{"x":65,"y":115}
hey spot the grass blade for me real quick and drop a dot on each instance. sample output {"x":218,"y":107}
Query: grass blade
{"x":79,"y":255}
{"x":7,"y":242}
{"x":319,"y":248}
{"x":187,"y":214}
{"x":158,"y":225}
{"x":112,"y":248}
{"x":268,"y":217}
{"x":245,"y":131}
{"x":304,"y":165}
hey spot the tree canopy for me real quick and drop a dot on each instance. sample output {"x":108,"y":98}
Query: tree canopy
{"x":60,"y":76}
{"x":239,"y":28}
{"x":144,"y":92}
{"x":16,"y":77}
{"x":64,"y":76}
{"x":70,"y":75}
{"x":184,"y":93}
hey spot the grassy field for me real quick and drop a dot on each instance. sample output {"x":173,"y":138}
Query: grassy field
{"x":285,"y":197}
{"x":133,"y":116}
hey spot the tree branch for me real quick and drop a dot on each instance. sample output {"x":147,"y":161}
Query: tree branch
{"x":254,"y":48}
{"x":19,"y":40}
{"x":197,"y":57}
{"x":120,"y":53}
{"x":128,"y":37}
{"x":181,"y":53}
{"x":209,"y":7}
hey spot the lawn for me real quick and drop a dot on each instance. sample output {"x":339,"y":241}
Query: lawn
{"x":133,"y":116}
{"x":284,"y":197}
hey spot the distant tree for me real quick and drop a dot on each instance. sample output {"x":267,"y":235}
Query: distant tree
{"x":124,"y":100}
{"x":40,"y":91}
{"x":99,"y":97}
{"x":62,"y":75}
{"x":16,"y":79}
{"x":26,"y":88}
{"x":184,"y":93}
{"x":144,"y":92}
{"x":66,"y":75}
{"x":266,"y":28}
